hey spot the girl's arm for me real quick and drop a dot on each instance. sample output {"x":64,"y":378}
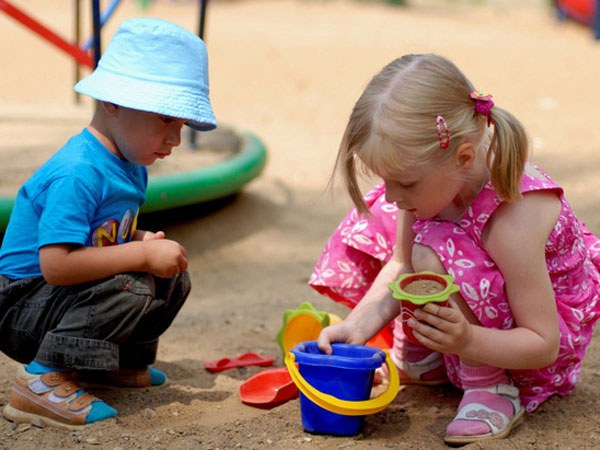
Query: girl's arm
{"x":65,"y":264}
{"x":377,"y":307}
{"x":515,"y":239}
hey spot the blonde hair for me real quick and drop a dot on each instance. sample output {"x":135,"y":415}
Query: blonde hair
{"x":393,"y":126}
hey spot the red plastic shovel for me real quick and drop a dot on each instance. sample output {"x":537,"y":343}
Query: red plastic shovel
{"x":245,"y":359}
{"x":268,"y":388}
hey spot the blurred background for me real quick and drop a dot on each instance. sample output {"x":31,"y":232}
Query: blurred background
{"x":290,"y":71}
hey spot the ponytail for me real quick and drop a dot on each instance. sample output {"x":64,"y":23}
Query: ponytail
{"x":507,"y":154}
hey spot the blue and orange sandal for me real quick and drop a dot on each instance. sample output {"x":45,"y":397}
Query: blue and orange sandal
{"x":123,"y":378}
{"x":53,"y":399}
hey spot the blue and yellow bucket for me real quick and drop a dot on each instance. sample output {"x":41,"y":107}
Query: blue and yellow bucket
{"x":335,"y":389}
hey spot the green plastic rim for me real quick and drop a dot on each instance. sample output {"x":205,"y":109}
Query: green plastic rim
{"x":398,"y":292}
{"x":195,"y":186}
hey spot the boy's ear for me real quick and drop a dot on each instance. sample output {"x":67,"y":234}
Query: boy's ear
{"x":109,"y":108}
{"x":465,"y":155}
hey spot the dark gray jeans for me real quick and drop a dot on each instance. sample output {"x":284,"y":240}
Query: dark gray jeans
{"x":106,"y":325}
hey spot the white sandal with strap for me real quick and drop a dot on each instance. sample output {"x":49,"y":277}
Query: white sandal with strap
{"x":476,"y":406}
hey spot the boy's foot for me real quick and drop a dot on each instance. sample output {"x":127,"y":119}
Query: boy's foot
{"x":123,"y":378}
{"x":53,"y":399}
{"x":485,"y":413}
{"x":429,"y":371}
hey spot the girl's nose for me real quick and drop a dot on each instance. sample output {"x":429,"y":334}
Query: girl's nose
{"x":391,"y":196}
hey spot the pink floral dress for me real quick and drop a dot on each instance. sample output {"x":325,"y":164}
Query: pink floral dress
{"x":360,"y":246}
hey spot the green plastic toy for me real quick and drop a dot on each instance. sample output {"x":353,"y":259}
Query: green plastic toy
{"x":302,"y":324}
{"x":436,"y":288}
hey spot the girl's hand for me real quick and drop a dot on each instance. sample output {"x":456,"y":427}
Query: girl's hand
{"x":340,"y":332}
{"x":444,"y":329}
{"x":164,"y":258}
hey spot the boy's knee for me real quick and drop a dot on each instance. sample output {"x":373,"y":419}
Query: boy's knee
{"x":424,"y":258}
{"x":184,"y":282}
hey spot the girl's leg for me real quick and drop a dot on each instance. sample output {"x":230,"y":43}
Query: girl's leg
{"x":418,"y":364}
{"x":489,"y":409}
{"x":490,"y":406}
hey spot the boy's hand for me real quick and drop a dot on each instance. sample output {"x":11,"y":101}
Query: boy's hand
{"x":149,"y":235}
{"x":165,"y":258}
{"x":143,"y":235}
{"x":444,"y":329}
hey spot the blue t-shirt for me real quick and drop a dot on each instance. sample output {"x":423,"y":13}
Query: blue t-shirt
{"x":83,"y":195}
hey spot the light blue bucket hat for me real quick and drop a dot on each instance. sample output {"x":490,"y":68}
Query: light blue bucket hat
{"x":156,"y":66}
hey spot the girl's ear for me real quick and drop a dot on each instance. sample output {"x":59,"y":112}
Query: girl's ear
{"x":465,"y":155}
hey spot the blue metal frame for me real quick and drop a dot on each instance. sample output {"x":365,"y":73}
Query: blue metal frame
{"x":597,"y":21}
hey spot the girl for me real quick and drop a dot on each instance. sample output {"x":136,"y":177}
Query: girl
{"x":459,"y":197}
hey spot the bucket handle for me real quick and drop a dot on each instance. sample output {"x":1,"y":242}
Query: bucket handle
{"x":346,"y":407}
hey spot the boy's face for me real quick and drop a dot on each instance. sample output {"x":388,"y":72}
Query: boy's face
{"x":142,"y":137}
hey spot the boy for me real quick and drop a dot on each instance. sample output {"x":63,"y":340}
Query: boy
{"x":84,"y":295}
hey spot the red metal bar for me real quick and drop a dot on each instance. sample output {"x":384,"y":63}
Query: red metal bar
{"x":82,"y":57}
{"x":77,"y":28}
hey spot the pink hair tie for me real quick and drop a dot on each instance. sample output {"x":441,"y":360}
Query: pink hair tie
{"x":483,"y":105}
{"x":442,"y":131}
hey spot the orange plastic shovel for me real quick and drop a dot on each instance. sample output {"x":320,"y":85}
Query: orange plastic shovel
{"x":268,"y":388}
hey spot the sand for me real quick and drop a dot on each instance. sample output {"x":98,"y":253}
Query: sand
{"x":290,"y":72}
